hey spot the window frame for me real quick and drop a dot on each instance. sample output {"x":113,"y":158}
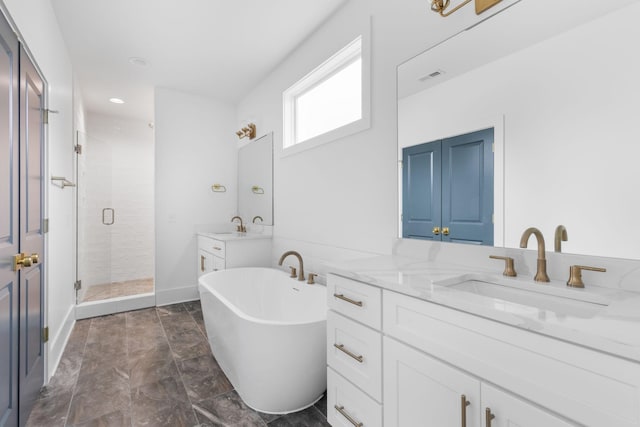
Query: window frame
{"x":330,"y":67}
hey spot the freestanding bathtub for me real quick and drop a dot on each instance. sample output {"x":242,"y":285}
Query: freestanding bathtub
{"x":268,"y":333}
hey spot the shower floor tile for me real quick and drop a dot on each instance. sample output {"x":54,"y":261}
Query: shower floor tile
{"x":118,"y":289}
{"x":150,"y":367}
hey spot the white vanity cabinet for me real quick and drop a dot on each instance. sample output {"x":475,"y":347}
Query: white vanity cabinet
{"x":446,"y":367}
{"x":421,"y":390}
{"x":231,"y":251}
{"x":354,"y":353}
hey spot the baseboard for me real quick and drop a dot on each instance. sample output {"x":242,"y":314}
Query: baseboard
{"x":58,"y":343}
{"x":177,"y":295}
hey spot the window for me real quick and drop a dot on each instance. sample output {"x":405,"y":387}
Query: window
{"x":330,"y":102}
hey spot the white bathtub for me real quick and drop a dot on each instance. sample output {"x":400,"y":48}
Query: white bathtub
{"x":268,"y":333}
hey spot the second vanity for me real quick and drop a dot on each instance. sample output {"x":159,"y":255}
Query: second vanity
{"x":415,"y":342}
{"x":219,"y":251}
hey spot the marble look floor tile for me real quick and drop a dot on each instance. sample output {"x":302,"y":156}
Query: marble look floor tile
{"x":151,"y":368}
{"x":203,"y":378}
{"x":99,"y":394}
{"x":50,"y":412}
{"x":321,"y":405}
{"x":168,"y":310}
{"x":144,"y":315}
{"x":114,"y":419}
{"x":104,"y":356}
{"x":163,"y":403}
{"x":192,"y":306}
{"x":66,"y":376}
{"x":310,"y":417}
{"x":226,"y":410}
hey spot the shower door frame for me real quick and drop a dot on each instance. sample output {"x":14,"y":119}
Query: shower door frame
{"x":106,"y":306}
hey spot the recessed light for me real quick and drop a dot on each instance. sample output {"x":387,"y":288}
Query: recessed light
{"x":116,"y":100}
{"x":136,"y":60}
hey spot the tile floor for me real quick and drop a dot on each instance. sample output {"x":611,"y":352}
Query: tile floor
{"x":118,"y":289}
{"x":149,"y":367}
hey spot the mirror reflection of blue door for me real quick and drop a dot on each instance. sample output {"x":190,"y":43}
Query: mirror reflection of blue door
{"x":448,"y":189}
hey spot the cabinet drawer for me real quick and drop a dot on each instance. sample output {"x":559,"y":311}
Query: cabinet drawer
{"x":355,"y":351}
{"x":353,"y":404}
{"x":584,"y":385}
{"x":356,"y":300}
{"x":216,"y":247}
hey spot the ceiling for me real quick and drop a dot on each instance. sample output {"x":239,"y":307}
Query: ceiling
{"x":216,"y":48}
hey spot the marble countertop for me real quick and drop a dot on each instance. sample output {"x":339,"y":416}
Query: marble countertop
{"x":603,"y":319}
{"x":234,"y":235}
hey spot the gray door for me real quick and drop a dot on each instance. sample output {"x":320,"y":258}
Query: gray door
{"x":31,"y":361}
{"x":9,"y":225}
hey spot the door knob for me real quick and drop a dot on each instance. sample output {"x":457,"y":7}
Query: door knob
{"x":35,"y":258}
{"x":436,"y":230}
{"x":20,"y":260}
{"x":445,"y":231}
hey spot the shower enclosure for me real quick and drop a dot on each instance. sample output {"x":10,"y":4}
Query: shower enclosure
{"x":115,"y":217}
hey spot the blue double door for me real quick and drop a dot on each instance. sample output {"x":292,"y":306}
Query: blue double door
{"x":447,"y":189}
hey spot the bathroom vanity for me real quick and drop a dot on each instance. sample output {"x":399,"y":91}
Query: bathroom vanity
{"x":219,"y":251}
{"x":420,"y":342}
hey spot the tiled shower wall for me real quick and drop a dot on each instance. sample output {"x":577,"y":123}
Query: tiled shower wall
{"x":117,"y":171}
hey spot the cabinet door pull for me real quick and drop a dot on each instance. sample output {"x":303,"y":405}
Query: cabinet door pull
{"x":202,"y":258}
{"x":348,"y":353}
{"x":463,"y":409}
{"x":217,"y":248}
{"x":347,"y":416}
{"x":349,"y":300}
{"x":488,"y":417}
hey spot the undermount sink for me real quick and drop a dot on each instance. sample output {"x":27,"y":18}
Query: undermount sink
{"x":524,"y":294}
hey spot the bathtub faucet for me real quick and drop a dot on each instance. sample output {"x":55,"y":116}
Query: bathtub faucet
{"x":297,"y":255}
{"x":241,"y":228}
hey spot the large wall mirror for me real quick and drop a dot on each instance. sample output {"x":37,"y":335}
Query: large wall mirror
{"x":255,"y":180}
{"x":560,"y":89}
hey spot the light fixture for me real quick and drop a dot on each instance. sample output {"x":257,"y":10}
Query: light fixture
{"x":247,"y":131}
{"x":439,"y":6}
{"x":116,"y":100}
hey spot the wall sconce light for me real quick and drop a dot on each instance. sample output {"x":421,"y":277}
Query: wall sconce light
{"x":248,"y":131}
{"x":439,"y":6}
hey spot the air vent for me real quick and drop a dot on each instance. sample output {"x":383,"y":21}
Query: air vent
{"x":431,"y":75}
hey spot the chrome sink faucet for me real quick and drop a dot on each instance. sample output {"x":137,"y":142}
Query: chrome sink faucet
{"x":541,"y":274}
{"x":301,"y":266}
{"x":241,"y":228}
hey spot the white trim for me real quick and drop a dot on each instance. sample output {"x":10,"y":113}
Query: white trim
{"x":57,"y":345}
{"x":177,"y":295}
{"x":326,"y":70}
{"x":116,"y":305}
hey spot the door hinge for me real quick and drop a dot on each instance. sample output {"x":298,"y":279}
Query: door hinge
{"x":78,"y":149}
{"x":45,"y":334}
{"x":45,"y":115}
{"x":77,"y":285}
{"x":45,"y":225}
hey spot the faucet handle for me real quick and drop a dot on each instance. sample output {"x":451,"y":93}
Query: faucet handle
{"x":509,"y":269}
{"x":311,"y":280}
{"x":294,"y":272}
{"x":575,"y":275}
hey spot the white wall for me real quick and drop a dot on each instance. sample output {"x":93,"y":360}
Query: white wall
{"x":195,"y":148}
{"x":38,"y":28}
{"x":118,"y":173}
{"x":570,"y":142}
{"x":340,"y":199}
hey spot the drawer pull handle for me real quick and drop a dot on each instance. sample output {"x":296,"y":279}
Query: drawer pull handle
{"x":463,"y":409}
{"x":202,"y":258}
{"x":348,"y":353}
{"x":347,"y":416}
{"x":347,"y":299}
{"x":217,"y":248}
{"x":488,"y":417}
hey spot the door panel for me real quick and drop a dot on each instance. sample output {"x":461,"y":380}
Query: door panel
{"x":9,"y":225}
{"x":31,"y":364}
{"x":421,"y":186}
{"x":467,"y":187}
